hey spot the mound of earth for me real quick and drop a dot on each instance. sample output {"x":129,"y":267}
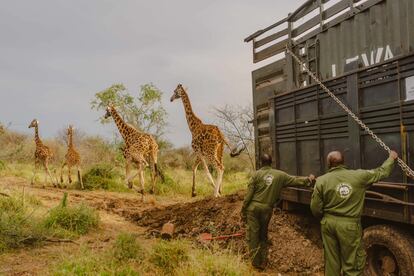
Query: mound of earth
{"x":296,"y":245}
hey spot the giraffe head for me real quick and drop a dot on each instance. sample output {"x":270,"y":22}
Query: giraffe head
{"x":34,"y":123}
{"x":177,"y":92}
{"x":69,"y":130}
{"x":108,"y":113}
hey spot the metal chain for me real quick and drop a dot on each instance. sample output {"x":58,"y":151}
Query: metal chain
{"x":407,"y":170}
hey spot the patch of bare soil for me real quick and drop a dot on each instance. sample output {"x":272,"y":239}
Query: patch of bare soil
{"x":295,"y":249}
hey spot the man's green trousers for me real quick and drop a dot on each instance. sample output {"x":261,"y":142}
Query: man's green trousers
{"x":342,"y":243}
{"x":258,"y":217}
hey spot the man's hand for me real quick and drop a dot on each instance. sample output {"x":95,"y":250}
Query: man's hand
{"x":393,"y":155}
{"x":311,"y":178}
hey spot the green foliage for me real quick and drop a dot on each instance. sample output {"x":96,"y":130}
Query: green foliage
{"x":169,"y":255}
{"x":102,"y":176}
{"x":90,"y":263}
{"x":214,"y":261}
{"x":144,"y":111}
{"x":2,"y":165}
{"x":71,"y":221}
{"x":126,"y":247}
{"x":18,"y":225}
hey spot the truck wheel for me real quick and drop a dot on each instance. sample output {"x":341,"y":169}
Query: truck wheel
{"x":390,"y":251}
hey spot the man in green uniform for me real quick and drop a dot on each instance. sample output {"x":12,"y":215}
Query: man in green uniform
{"x":338,"y":197}
{"x":263,"y":192}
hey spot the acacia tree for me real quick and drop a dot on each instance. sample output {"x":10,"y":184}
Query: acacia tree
{"x":235,"y":122}
{"x":144,"y":110}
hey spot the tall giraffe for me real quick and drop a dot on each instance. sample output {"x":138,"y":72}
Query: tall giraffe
{"x":139,"y":147}
{"x":207,"y":142}
{"x":72,"y":159}
{"x":43,"y":154}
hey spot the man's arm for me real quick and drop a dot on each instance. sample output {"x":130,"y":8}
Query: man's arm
{"x":384,"y":171}
{"x":298,"y":180}
{"x":317,"y":202}
{"x":249,"y":195}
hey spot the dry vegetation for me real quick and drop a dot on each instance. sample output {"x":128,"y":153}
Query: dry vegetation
{"x":73,"y":232}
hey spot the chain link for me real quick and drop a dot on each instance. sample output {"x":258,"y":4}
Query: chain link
{"x":407,"y":170}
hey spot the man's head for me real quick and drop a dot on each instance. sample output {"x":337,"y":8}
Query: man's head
{"x":266,"y":159}
{"x":334,"y":159}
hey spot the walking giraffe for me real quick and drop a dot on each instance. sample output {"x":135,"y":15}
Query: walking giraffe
{"x":72,"y":159}
{"x":42,"y":154}
{"x":139,"y":147}
{"x":207,"y":142}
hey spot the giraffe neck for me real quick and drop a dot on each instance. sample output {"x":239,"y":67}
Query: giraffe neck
{"x":124,"y":128}
{"x":70,"y":142}
{"x":192,"y":120}
{"x":37,"y":138}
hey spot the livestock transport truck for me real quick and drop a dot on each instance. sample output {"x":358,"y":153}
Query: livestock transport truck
{"x":363,"y":52}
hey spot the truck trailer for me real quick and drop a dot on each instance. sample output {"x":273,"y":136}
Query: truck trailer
{"x":363,"y":52}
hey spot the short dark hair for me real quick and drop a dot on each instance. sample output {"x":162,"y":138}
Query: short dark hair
{"x":266,"y":159}
{"x":334,"y":159}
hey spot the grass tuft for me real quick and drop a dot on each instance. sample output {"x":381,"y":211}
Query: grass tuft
{"x":102,"y":176}
{"x":169,"y":255}
{"x":126,"y":247}
{"x":70,"y":221}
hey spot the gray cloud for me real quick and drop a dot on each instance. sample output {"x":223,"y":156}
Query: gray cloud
{"x":55,"y":55}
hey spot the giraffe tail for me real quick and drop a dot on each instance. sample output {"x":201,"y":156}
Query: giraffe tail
{"x":159,"y":172}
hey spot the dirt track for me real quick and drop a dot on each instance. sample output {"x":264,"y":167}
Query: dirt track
{"x":295,"y":250}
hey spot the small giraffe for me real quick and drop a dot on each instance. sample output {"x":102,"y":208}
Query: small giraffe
{"x":139,"y":147}
{"x":207,"y":142}
{"x":42,"y":154}
{"x":72,"y":159}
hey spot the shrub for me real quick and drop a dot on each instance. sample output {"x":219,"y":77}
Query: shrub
{"x":126,"y":247}
{"x":102,"y":176}
{"x":91,"y":263}
{"x":169,"y":255}
{"x":18,"y":226}
{"x":2,"y":165}
{"x":71,"y":221}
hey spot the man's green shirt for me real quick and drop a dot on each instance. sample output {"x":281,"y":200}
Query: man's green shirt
{"x":341,"y":192}
{"x":266,"y":184}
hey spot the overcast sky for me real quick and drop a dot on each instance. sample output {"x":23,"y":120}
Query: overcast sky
{"x":55,"y":55}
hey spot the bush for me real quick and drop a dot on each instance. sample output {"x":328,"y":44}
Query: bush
{"x":102,"y":176}
{"x":126,"y":248}
{"x":2,"y":165}
{"x":18,"y":226}
{"x":169,"y":255}
{"x":214,"y":261}
{"x":71,"y":221}
{"x":90,"y":263}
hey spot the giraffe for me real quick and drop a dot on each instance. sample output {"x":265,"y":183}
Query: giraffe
{"x":207,"y":142}
{"x":72,"y":159}
{"x":139,"y":147}
{"x":42,"y":154}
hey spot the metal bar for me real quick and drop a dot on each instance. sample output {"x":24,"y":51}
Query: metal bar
{"x":270,"y":38}
{"x":259,"y":32}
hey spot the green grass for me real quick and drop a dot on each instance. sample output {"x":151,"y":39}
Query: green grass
{"x":71,"y":221}
{"x":22,"y":222}
{"x":175,"y":257}
{"x":127,"y":248}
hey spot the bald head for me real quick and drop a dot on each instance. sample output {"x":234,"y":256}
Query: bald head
{"x":266,"y":159}
{"x":334,"y":159}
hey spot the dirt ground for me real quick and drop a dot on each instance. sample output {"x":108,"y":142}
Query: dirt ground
{"x":295,"y":249}
{"x":295,"y":243}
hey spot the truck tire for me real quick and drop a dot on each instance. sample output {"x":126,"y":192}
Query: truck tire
{"x":390,"y":251}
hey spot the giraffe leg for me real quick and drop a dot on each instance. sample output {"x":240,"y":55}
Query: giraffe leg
{"x":195,"y":167}
{"x":61,"y":172}
{"x":141,"y":180}
{"x":80,"y":177}
{"x":153,"y":177}
{"x":48,"y":174}
{"x":127,"y":173}
{"x":70,"y":174}
{"x":34,"y":175}
{"x":217,"y":188}
{"x":210,"y":177}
